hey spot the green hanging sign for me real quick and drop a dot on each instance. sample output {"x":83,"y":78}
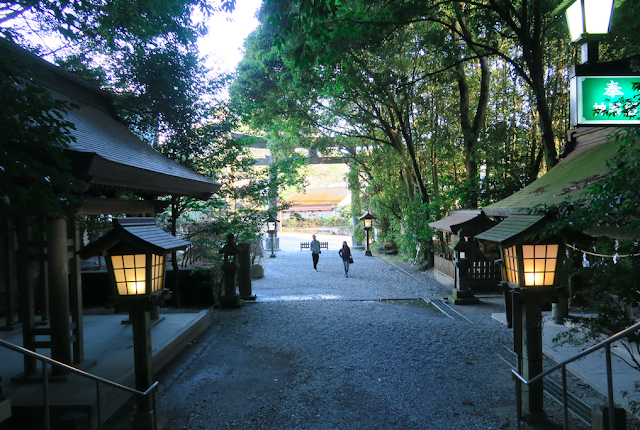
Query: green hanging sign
{"x":604,"y":101}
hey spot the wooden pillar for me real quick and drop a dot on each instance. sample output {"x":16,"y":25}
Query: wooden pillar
{"x":532,"y":395}
{"x":25,"y":290}
{"x":59,"y":292}
{"x":141,"y":325}
{"x":42,"y":285}
{"x":75,"y":292}
{"x":10,"y":282}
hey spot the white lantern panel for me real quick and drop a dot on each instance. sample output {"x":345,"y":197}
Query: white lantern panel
{"x":597,"y":16}
{"x":574,"y":20}
{"x":129,"y":273}
{"x":157,"y":270}
{"x":511,"y":264}
{"x":540,"y":266}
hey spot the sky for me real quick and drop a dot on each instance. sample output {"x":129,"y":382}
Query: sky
{"x":224,"y":42}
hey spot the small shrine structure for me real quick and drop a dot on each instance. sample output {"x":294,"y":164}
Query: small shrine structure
{"x":462,"y":258}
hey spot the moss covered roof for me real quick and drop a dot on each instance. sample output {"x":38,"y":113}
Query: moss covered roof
{"x":570,"y":178}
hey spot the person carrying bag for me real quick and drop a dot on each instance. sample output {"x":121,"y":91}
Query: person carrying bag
{"x":345,"y":254}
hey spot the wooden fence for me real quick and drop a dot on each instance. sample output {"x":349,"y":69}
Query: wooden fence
{"x":445,"y":266}
{"x":482,"y":275}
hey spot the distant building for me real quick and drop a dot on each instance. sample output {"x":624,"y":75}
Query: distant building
{"x":317,"y":202}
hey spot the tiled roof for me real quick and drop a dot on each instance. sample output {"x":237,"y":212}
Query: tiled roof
{"x":471,"y":222}
{"x":126,"y":161}
{"x":318,"y":196}
{"x":106,"y":154}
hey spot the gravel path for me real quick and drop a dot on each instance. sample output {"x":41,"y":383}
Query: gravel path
{"x":321,"y":351}
{"x":291,"y":275}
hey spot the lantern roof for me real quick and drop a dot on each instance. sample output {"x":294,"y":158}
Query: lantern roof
{"x":271,"y":218}
{"x":367,"y":216}
{"x":139,"y":233}
{"x":465,"y":222}
{"x":514,"y":229}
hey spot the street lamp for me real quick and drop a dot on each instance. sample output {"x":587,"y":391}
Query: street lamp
{"x":271,"y":228}
{"x":367,"y":221}
{"x":588,"y":20}
{"x":135,"y":251}
{"x":531,"y":269}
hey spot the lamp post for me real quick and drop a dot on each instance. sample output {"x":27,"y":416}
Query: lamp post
{"x":531,"y":270}
{"x":367,"y":222}
{"x":135,"y":251}
{"x":589,"y":20}
{"x":271,"y":228}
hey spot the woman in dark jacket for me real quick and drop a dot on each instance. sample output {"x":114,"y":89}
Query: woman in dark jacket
{"x":345,"y":253}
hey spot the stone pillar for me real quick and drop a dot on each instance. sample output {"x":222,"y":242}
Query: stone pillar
{"x":462,"y":294}
{"x":244,"y":272}
{"x":230,"y":299}
{"x":58,"y":274}
{"x":560,"y":310}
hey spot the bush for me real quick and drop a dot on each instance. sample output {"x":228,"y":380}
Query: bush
{"x":313,"y":222}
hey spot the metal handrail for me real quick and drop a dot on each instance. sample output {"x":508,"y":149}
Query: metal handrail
{"x":606,"y":344}
{"x":45,"y":382}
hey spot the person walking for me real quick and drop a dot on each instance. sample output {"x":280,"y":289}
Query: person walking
{"x":315,"y":251}
{"x":345,"y":253}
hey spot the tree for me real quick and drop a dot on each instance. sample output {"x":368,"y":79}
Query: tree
{"x":384,"y":87}
{"x":104,"y":27}
{"x":517,"y":32}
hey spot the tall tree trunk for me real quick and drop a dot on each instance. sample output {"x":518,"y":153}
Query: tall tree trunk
{"x":471,"y":130}
{"x":546,"y":124}
{"x":424,"y":195}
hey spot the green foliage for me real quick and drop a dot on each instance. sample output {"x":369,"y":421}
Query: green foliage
{"x":207,"y":237}
{"x":412,"y":234}
{"x":312,"y":222}
{"x":459,"y":103}
{"x":403,"y":95}
{"x":103,"y":26}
